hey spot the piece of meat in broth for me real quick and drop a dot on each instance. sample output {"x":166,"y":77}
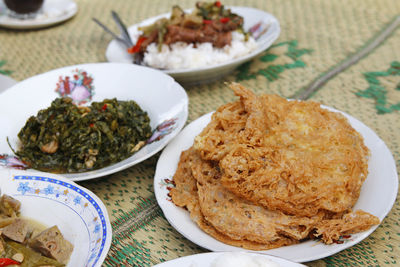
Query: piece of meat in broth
{"x":16,"y":231}
{"x":51,"y":243}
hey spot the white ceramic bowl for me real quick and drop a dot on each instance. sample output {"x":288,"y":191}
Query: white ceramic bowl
{"x":52,"y":200}
{"x":206,"y":259}
{"x":116,"y":52}
{"x":158,"y":94}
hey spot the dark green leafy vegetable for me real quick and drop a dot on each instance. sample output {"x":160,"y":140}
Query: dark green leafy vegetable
{"x":68,"y":138}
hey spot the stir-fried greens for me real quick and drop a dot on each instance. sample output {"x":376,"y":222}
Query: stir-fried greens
{"x":209,"y":22}
{"x":69,"y":138}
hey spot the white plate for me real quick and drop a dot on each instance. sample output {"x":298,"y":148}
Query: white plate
{"x":6,"y":82}
{"x":205,"y":260}
{"x":52,"y":12}
{"x":52,"y":200}
{"x":377,"y":196}
{"x":158,"y":94}
{"x":116,"y":52}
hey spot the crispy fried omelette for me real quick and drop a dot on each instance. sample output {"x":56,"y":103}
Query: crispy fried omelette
{"x":267,"y":172}
{"x":185,"y":195}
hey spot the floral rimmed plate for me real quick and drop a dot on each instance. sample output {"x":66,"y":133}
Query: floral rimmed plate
{"x":116,"y":52}
{"x":158,"y":94}
{"x":206,"y":259}
{"x":377,"y":196}
{"x":52,"y":200}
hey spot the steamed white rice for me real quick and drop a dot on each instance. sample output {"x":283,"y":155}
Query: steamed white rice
{"x":185,"y":56}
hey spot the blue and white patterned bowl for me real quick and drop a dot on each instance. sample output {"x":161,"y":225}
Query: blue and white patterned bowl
{"x":53,"y":200}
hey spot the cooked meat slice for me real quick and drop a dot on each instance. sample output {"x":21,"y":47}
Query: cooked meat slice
{"x":179,"y":34}
{"x":16,"y":231}
{"x":9,"y":205}
{"x":150,"y":39}
{"x":51,"y":243}
{"x":232,"y":25}
{"x":222,"y":39}
{"x":206,"y":34}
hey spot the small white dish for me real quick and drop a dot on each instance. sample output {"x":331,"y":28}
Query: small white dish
{"x":52,"y":12}
{"x":6,"y":82}
{"x":116,"y":52}
{"x":164,"y":100}
{"x":377,"y":196}
{"x":52,"y":200}
{"x":206,"y":259}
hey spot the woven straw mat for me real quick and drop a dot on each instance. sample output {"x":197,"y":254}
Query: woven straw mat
{"x":345,"y":54}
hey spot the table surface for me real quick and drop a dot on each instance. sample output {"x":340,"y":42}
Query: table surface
{"x":344,"y":54}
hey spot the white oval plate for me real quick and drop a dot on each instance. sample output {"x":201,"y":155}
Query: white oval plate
{"x":377,"y":196}
{"x":53,"y":12}
{"x":116,"y":52}
{"x":205,"y":260}
{"x":158,"y":94}
{"x":52,"y":200}
{"x":6,"y":82}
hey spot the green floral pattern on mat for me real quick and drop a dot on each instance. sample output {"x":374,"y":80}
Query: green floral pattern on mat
{"x":3,"y":71}
{"x":124,"y":245}
{"x":272,"y":71}
{"x":122,"y":252}
{"x":358,"y":255}
{"x":378,"y":91}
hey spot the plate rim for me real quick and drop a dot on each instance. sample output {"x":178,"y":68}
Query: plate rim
{"x":37,"y":24}
{"x":82,"y":176}
{"x":263,"y":46}
{"x":7,"y":79}
{"x":165,"y":205}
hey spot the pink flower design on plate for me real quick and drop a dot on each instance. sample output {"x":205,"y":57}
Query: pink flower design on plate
{"x":80,"y":87}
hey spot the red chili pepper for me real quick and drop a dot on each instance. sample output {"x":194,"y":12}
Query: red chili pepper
{"x":217,"y":4}
{"x":207,"y":21}
{"x":104,"y":107}
{"x":136,"y":47}
{"x":224,"y":20}
{"x":7,"y":262}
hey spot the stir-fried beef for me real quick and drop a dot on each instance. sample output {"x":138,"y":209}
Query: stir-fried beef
{"x":208,"y":23}
{"x":206,"y":34}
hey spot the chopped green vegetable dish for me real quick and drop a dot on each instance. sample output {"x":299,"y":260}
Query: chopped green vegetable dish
{"x":66,"y":138}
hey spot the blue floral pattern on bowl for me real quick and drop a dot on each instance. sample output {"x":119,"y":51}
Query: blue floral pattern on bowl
{"x":83,"y":203}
